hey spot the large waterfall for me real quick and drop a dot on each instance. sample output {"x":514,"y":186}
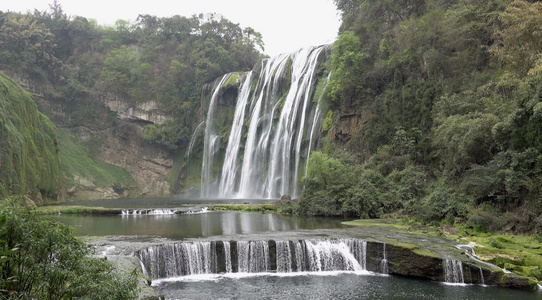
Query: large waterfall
{"x":272,"y":132}
{"x":195,"y":258}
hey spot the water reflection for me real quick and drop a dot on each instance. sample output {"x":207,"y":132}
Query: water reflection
{"x":192,"y":225}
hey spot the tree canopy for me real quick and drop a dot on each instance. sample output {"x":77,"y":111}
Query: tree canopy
{"x":167,"y":60}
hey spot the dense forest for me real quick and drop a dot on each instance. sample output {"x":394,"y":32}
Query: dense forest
{"x":164,"y":59}
{"x":449,"y":97}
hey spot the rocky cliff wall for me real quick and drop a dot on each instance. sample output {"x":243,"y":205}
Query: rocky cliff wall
{"x":143,"y":111}
{"x":117,"y":125}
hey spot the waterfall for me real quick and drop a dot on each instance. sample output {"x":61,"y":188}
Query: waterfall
{"x":284,"y":257}
{"x":172,"y":260}
{"x":278,"y":178}
{"x":253,"y":256}
{"x":157,"y":211}
{"x":453,"y":271}
{"x":359,"y":249}
{"x":300,"y":255}
{"x":384,"y":262}
{"x":330,"y":256}
{"x":193,"y":139}
{"x":211,"y":140}
{"x":193,"y":258}
{"x":229,"y":169}
{"x":482,"y":281}
{"x":271,"y":128}
{"x":227,"y":257}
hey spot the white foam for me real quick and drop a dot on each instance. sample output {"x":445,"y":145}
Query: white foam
{"x":217,"y":277}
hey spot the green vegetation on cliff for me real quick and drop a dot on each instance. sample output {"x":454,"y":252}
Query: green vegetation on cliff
{"x":448,"y":95}
{"x":29,"y":160}
{"x":76,"y":163}
{"x":167,"y":60}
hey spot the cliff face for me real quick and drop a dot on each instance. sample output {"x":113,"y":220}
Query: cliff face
{"x":103,"y":153}
{"x":150,"y":166}
{"x":146,"y":111}
{"x":29,"y":160}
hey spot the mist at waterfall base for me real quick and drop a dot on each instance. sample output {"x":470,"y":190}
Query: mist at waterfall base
{"x":275,"y":125}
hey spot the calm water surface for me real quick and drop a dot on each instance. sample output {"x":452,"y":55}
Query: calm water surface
{"x":184,"y":226}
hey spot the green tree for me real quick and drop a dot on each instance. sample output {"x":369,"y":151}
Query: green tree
{"x":348,"y":64}
{"x":521,"y":37}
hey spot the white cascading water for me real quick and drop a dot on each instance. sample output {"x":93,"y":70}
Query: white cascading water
{"x":211,"y":140}
{"x":453,"y":271}
{"x":384,"y":262}
{"x":173,"y":260}
{"x":331,"y":256}
{"x":193,"y":139}
{"x":482,"y":280}
{"x":156,"y":211}
{"x":253,"y":256}
{"x":284,"y":257}
{"x":269,"y":129}
{"x":195,"y":258}
{"x":304,"y":63}
{"x":227,"y":256}
{"x":229,"y":169}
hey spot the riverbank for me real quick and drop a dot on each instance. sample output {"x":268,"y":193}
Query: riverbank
{"x":98,"y":210}
{"x":521,"y":254}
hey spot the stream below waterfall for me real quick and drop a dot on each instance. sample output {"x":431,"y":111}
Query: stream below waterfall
{"x":257,"y":270}
{"x":332,"y":285}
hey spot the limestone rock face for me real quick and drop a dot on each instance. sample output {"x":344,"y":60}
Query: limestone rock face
{"x":145,"y":111}
{"x":150,"y":166}
{"x":349,"y":123}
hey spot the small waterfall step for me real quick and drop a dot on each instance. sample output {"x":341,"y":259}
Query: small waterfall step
{"x":453,"y":271}
{"x":163,"y":211}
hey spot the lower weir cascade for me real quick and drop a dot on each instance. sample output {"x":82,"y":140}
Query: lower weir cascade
{"x":175,"y":260}
{"x":193,"y":258}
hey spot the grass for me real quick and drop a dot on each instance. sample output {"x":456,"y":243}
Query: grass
{"x":520,"y":254}
{"x":75,"y":161}
{"x":398,"y":224}
{"x":50,"y":210}
{"x":264,"y":207}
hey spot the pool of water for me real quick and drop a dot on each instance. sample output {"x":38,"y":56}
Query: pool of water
{"x":329,"y":286}
{"x":178,"y":227}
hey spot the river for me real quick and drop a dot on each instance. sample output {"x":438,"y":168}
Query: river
{"x":125,"y":234}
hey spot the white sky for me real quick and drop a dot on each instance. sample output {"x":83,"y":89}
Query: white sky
{"x":286,"y":25}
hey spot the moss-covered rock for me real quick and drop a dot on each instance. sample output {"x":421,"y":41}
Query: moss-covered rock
{"x":29,"y":162}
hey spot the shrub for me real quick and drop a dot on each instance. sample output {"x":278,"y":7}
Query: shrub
{"x":43,"y":259}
